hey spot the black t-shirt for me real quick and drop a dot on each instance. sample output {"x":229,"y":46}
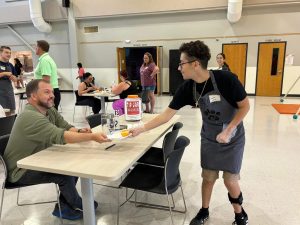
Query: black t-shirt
{"x":6,"y":67}
{"x":132,"y":90}
{"x":228,"y":84}
{"x":18,"y":69}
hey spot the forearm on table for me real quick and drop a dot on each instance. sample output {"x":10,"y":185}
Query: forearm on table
{"x":74,"y":137}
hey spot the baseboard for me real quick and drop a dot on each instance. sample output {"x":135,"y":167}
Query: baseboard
{"x":292,"y":95}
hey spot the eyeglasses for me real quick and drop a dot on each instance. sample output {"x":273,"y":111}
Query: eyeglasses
{"x":182,"y":63}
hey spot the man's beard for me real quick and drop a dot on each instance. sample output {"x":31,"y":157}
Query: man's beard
{"x":45,"y":105}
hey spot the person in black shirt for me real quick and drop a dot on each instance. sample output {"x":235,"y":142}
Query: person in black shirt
{"x":86,"y":86}
{"x":223,"y":104}
{"x":19,"y":71}
{"x":124,"y":88}
{"x":7,"y":97}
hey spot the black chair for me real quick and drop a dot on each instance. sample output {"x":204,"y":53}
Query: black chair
{"x":7,"y":124}
{"x":79,"y":103}
{"x":5,"y":184}
{"x":94,"y":120}
{"x":158,"y":156}
{"x":153,"y":179}
{"x":23,"y":97}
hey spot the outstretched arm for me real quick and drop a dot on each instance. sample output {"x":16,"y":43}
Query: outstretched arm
{"x":157,"y":121}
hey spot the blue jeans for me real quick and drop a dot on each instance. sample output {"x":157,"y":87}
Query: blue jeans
{"x":69,"y":196}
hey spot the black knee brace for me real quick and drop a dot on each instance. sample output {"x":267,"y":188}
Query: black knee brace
{"x":238,"y":200}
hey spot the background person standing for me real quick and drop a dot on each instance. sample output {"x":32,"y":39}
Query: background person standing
{"x":80,"y":71}
{"x":47,"y":69}
{"x":148,"y":73}
{"x":7,"y":97}
{"x":19,"y":73}
{"x":221,"y":62}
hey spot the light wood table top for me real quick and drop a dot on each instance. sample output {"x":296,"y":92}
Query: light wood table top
{"x":91,"y":160}
{"x":100,"y":94}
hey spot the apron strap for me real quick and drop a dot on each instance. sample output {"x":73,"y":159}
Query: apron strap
{"x":213,"y":80}
{"x":196,"y":95}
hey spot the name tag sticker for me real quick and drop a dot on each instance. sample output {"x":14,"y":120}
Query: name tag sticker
{"x":2,"y":68}
{"x":214,"y":98}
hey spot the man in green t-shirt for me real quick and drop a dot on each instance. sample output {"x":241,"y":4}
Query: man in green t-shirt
{"x":46,"y":69}
{"x":38,"y":127}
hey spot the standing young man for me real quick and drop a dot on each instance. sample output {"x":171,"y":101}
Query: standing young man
{"x":223,"y":104}
{"x":7,"y":97}
{"x":47,"y":69}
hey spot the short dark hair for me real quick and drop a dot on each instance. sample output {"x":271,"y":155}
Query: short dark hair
{"x":222,"y":54}
{"x":44,"y":45}
{"x":33,"y":86}
{"x":86,"y":75}
{"x":4,"y":47}
{"x":196,"y":50}
{"x":79,"y":65}
{"x":124,"y":74}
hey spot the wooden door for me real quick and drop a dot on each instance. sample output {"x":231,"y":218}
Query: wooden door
{"x":159,"y":58}
{"x":236,"y":58}
{"x":270,"y":67}
{"x":121,"y":61}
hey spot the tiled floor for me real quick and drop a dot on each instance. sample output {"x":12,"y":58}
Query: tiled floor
{"x":270,"y":176}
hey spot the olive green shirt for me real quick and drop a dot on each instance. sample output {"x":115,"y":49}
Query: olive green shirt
{"x":31,"y":133}
{"x":47,"y":66}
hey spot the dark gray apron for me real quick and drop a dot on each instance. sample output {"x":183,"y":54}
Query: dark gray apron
{"x":7,"y":96}
{"x":216,"y":114}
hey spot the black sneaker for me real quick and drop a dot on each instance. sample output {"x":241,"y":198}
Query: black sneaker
{"x":201,"y":217}
{"x":241,"y":218}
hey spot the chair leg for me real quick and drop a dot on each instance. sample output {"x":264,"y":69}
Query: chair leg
{"x":74,"y":113}
{"x":183,"y":198}
{"x":35,"y":203}
{"x":2,"y":197}
{"x":58,"y":202}
{"x":118,"y":213}
{"x":173,"y":201}
{"x":18,"y":194}
{"x":170,"y":209}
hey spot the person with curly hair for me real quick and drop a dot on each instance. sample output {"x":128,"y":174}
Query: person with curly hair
{"x":223,"y":104}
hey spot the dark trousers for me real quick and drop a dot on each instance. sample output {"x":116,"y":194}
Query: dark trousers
{"x":95,"y":103}
{"x":69,"y":196}
{"x":56,"y":97}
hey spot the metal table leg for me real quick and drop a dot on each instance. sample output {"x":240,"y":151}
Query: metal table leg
{"x":87,"y":192}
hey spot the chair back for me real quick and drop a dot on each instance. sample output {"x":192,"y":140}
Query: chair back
{"x":172,"y":175}
{"x":94,"y":120}
{"x":169,"y":140}
{"x":7,"y":124}
{"x":77,"y":96}
{"x":3,"y":170}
